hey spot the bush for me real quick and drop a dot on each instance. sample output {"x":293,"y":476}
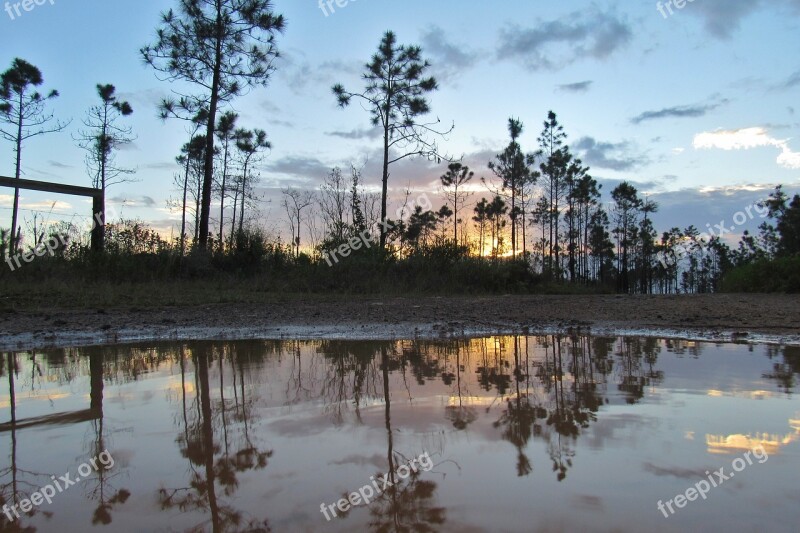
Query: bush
{"x":779,"y":275}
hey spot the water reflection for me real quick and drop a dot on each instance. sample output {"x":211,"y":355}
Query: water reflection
{"x":253,"y":435}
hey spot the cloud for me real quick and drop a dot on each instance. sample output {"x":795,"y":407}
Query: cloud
{"x":448,"y":59}
{"x":614,"y":156}
{"x":145,"y":98}
{"x":578,"y":87}
{"x":723,"y":18}
{"x":164,"y":165}
{"x":609,"y":184}
{"x":552,"y":45}
{"x":683,"y":111}
{"x":134,"y":201}
{"x":300,"y":166}
{"x":361,"y":133}
{"x":57,"y":164}
{"x":300,"y":74}
{"x":746,"y":139}
{"x":284,"y":123}
{"x":792,"y":81}
{"x":47,"y":206}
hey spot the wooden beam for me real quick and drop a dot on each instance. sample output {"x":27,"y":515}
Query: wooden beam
{"x":97,"y":196}
{"x":56,"y":419}
{"x":49,"y":187}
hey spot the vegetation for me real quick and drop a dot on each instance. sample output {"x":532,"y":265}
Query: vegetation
{"x":541,"y":225}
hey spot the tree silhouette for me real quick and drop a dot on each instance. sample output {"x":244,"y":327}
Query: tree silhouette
{"x":223,"y":47}
{"x":456,"y":178}
{"x":22,"y":108}
{"x":395,"y":96}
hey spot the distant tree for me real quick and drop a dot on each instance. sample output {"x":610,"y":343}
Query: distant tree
{"x":193,"y":159}
{"x":553,"y":169}
{"x":627,"y":205}
{"x":103,"y":137}
{"x":294,"y":202}
{"x":22,"y":108}
{"x":583,"y":198}
{"x":189,"y":170}
{"x":540,"y":217}
{"x":419,"y":227}
{"x":787,"y":228}
{"x":456,"y":178}
{"x":600,"y":245}
{"x":647,"y":246}
{"x":333,"y":204}
{"x":495,"y":213}
{"x":249,"y":144}
{"x":357,"y":202}
{"x":223,"y":47}
{"x":575,"y":179}
{"x":511,"y":167}
{"x":395,"y":96}
{"x":480,"y":218}
{"x":226,"y":128}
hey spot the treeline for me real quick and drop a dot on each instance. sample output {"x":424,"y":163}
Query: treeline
{"x":539,"y":220}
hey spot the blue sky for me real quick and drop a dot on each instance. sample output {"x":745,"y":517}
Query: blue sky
{"x":699,"y":109}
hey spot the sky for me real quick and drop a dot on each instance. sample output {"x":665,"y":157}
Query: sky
{"x":699,"y":108}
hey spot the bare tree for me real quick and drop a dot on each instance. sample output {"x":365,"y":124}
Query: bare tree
{"x":294,"y":201}
{"x":333,"y":205}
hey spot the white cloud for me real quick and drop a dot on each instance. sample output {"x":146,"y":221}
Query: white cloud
{"x":745,"y":139}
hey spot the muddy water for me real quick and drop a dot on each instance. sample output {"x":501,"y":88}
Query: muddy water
{"x":496,"y":434}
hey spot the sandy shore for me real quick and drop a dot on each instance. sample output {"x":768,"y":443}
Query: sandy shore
{"x":755,"y":318}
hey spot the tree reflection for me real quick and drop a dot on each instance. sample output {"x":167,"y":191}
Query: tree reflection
{"x":409,"y":503}
{"x":520,"y":415}
{"x":101,"y":488}
{"x":459,"y":414}
{"x":213,"y":468}
{"x":783,"y":373}
{"x":571,"y":382}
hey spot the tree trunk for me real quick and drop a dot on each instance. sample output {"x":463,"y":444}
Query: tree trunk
{"x":222,"y":196}
{"x":208,"y":177}
{"x":385,"y":190}
{"x":14,"y":241}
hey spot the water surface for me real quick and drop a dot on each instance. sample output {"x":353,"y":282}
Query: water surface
{"x":555,"y":433}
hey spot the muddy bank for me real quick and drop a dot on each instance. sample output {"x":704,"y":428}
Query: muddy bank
{"x":758,"y":318}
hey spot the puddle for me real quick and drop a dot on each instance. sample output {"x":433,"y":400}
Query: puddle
{"x":512,"y":433}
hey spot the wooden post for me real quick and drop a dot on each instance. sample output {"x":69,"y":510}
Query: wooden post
{"x":98,"y":223}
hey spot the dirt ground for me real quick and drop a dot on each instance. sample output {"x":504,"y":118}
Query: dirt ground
{"x":768,"y":318}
